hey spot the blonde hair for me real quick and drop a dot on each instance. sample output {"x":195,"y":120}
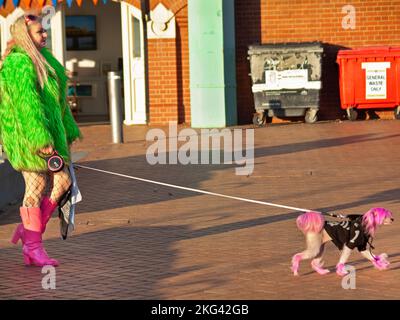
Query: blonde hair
{"x":20,"y":36}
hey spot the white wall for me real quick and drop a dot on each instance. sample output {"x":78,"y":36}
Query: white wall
{"x":109,"y":49}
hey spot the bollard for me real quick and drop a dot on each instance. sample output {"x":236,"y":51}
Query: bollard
{"x":114,"y":96}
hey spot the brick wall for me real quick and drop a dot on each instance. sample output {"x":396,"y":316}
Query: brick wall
{"x":168,"y":61}
{"x":267,"y":21}
{"x":377,"y":21}
{"x":135,"y":3}
{"x":183,"y":61}
{"x":274,"y":21}
{"x":163,"y":98}
{"x":248,"y":31}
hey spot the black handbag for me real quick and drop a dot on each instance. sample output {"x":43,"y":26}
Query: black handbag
{"x":64,"y":210}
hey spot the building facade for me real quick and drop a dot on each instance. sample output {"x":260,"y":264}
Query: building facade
{"x":186,"y":60}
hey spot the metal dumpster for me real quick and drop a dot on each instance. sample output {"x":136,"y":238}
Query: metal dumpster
{"x":286,"y":80}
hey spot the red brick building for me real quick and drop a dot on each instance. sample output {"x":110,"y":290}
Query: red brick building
{"x":265,"y":21}
{"x":376,"y":23}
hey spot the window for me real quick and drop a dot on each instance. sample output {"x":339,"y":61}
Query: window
{"x":81,"y":32}
{"x":137,"y":50}
{"x":81,"y":90}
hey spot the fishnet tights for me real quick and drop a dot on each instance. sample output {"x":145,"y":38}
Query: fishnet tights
{"x":38,"y":184}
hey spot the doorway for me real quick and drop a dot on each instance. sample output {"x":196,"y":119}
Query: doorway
{"x":133,"y":65}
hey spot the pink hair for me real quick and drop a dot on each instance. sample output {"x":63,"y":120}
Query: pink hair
{"x":310,"y":222}
{"x":374,"y":218}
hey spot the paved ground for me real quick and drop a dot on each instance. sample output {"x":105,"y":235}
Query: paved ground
{"x":135,"y":240}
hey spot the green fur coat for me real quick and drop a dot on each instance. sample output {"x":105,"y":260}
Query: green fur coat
{"x":30,"y":117}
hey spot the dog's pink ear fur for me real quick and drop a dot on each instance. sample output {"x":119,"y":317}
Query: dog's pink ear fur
{"x":373,"y":218}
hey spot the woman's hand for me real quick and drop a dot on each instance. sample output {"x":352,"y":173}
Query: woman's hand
{"x":47,"y":150}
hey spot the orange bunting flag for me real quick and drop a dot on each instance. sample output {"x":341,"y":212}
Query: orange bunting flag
{"x":95,"y":2}
{"x":79,"y":2}
{"x":42,"y":2}
{"x":26,"y":3}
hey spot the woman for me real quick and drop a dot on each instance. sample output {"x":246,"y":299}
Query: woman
{"x":35,"y":121}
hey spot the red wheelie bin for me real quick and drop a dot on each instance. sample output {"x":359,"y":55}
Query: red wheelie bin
{"x":369,"y":78}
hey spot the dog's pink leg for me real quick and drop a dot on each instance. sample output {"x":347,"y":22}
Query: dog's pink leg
{"x":344,"y":256}
{"x":341,"y":269}
{"x":296,"y":263}
{"x":380,"y":262}
{"x":317,"y":266}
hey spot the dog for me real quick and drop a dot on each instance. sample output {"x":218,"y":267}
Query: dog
{"x":355,"y":232}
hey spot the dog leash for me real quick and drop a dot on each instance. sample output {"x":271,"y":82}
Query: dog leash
{"x":332,"y":214}
{"x":335,"y":215}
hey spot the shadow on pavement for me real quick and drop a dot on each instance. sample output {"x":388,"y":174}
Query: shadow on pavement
{"x":319,"y":144}
{"x":376,"y":198}
{"x":102,"y":191}
{"x":117,"y":263}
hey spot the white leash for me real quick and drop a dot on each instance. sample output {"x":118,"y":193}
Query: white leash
{"x":336,"y":215}
{"x":194,"y":190}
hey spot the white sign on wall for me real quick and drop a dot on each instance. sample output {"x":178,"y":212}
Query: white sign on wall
{"x":375,"y":77}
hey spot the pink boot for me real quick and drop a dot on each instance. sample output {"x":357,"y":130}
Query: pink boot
{"x":47,"y":207}
{"x":317,"y":266}
{"x":296,"y":263}
{"x":33,"y":251}
{"x":18,"y":234}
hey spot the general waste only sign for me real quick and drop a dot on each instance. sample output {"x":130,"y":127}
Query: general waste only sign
{"x":375,"y":77}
